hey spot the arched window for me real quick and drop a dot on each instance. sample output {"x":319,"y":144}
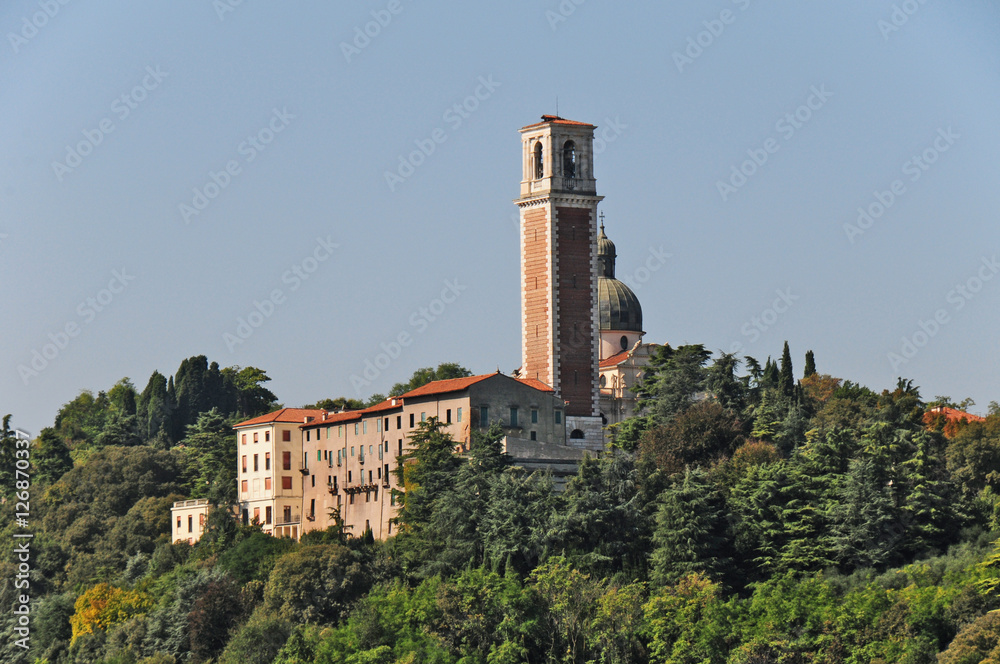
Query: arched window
{"x":569,"y":159}
{"x":539,"y":170}
{"x":577,"y":435}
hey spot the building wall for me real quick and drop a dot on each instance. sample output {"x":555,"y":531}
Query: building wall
{"x":261,"y":489}
{"x":364,"y":483}
{"x":536,"y":295}
{"x":576,"y":296}
{"x":187,"y":520}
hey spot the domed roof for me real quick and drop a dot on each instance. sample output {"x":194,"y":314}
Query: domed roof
{"x":618,"y":305}
{"x":605,"y":247}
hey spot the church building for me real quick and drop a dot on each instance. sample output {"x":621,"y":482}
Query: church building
{"x":581,"y":353}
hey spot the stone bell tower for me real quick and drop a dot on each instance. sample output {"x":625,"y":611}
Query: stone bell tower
{"x":560,"y":333}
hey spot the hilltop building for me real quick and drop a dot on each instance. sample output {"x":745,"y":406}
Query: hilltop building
{"x":581,"y":353}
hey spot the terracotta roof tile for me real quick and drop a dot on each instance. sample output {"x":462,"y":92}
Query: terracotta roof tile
{"x":952,"y":414}
{"x":445,"y":386}
{"x":283,"y":415}
{"x":555,"y":119}
{"x":615,"y":360}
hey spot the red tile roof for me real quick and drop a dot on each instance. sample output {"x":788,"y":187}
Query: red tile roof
{"x":385,"y":405}
{"x":555,"y":119}
{"x":283,"y":415}
{"x":615,"y":360}
{"x":333,"y":418}
{"x":953,"y":414}
{"x":445,"y":386}
{"x":459,"y":384}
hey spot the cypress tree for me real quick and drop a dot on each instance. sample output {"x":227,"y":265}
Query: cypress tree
{"x":786,"y":378}
{"x":810,"y":364}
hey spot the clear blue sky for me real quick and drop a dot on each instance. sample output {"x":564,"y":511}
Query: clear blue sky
{"x":679,"y":127}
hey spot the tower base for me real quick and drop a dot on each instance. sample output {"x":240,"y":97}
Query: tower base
{"x":592,"y":429}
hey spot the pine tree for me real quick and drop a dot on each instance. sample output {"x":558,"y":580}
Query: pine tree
{"x":692,"y":532}
{"x":810,"y":364}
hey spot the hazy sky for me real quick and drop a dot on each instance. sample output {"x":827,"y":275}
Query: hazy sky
{"x":276,"y":124}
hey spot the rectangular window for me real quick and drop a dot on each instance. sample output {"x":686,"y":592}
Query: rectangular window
{"x":243,"y":486}
{"x":386,"y":427}
{"x":201,"y":521}
{"x":369,"y":477}
{"x":256,"y":462}
{"x":288,"y":513}
{"x":411,"y":420}
{"x":364,"y":427}
{"x":484,"y":416}
{"x":308,"y":433}
{"x":352,"y":498}
{"x":378,"y":426}
{"x":286,"y":436}
{"x":178,"y":523}
{"x":267,"y":436}
{"x":368,"y":496}
{"x":244,"y":463}
{"x":267,"y":461}
{"x":312,"y":508}
{"x":319,"y":455}
{"x":392,"y":498}
{"x":255,"y":437}
{"x":350,"y":477}
{"x":534,"y":416}
{"x":355,"y":428}
{"x":267,"y":514}
{"x":386,"y":471}
{"x":286,"y":460}
{"x":267,"y":484}
{"x":423,"y":417}
{"x":190,"y":524}
{"x":371,"y":450}
{"x":380,"y":473}
{"x":400,"y":447}
{"x":459,"y":414}
{"x":314,"y":480}
{"x":328,"y":433}
{"x":352,"y":450}
{"x":256,"y":514}
{"x":286,"y":482}
{"x":244,"y":439}
{"x":399,"y":421}
{"x":558,"y":417}
{"x":447,"y":416}
{"x":534,"y":436}
{"x":340,"y":431}
{"x":513,"y":416}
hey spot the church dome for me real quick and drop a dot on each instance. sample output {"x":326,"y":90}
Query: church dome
{"x":618,"y":305}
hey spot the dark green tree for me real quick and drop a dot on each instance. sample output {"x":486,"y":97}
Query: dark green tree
{"x":672,"y":380}
{"x":786,"y":378}
{"x":51,"y":457}
{"x":692,"y":531}
{"x":420,"y":377}
{"x":155,"y":408}
{"x":810,"y":364}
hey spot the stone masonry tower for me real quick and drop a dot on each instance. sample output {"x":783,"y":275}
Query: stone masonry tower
{"x":560,"y":334}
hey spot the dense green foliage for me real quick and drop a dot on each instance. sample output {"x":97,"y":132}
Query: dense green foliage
{"x":743,"y":519}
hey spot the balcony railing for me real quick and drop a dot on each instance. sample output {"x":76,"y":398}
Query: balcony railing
{"x":296,"y":519}
{"x":304,"y":469}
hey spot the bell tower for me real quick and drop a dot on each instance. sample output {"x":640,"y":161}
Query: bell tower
{"x":560,"y":333}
